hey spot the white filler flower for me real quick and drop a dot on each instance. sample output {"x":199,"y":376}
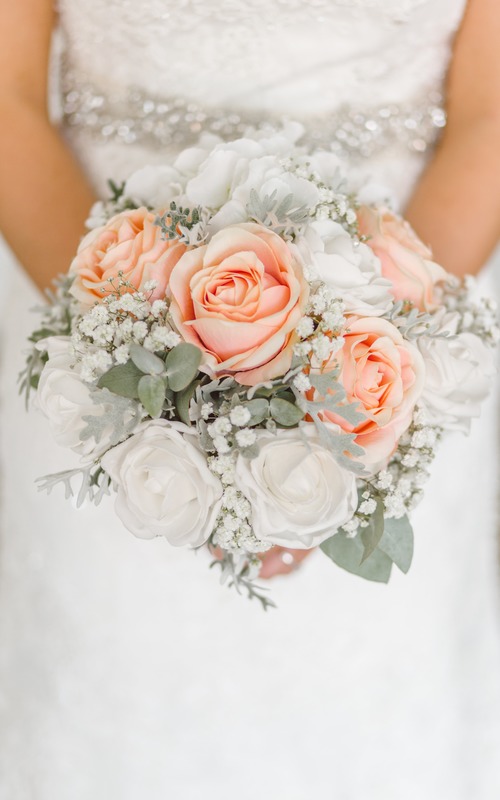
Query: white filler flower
{"x":300,"y":495}
{"x":164,"y":485}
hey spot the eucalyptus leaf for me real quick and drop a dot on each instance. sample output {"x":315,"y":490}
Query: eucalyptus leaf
{"x":147,"y":362}
{"x":182,"y":401}
{"x":285,"y":413}
{"x":250,"y":452}
{"x":371,"y":535}
{"x":122,"y":380}
{"x":259,"y":410}
{"x":152,"y":394}
{"x":182,"y":366}
{"x":348,"y":554}
{"x":397,"y":542}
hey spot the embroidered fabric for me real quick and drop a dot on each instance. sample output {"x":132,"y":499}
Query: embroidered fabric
{"x":282,"y":56}
{"x":166,"y":121}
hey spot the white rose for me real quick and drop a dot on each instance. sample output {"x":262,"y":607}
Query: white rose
{"x":154,"y":186}
{"x":459,"y":373}
{"x":353,"y":271}
{"x":66,"y":399}
{"x":299,"y":494}
{"x":164,"y":485}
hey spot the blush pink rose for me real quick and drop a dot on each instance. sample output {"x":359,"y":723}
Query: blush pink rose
{"x":129,"y":243}
{"x":404,"y":259}
{"x":385,"y":376}
{"x":239,"y":299}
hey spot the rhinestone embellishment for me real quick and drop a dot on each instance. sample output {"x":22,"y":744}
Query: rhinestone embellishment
{"x":160,"y":122}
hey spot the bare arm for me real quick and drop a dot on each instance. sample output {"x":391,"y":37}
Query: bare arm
{"x":44,"y":197}
{"x":456,"y":206}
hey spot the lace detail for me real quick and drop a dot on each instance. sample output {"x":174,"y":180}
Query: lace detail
{"x":176,"y":121}
{"x":296,"y":57}
{"x":276,"y":13}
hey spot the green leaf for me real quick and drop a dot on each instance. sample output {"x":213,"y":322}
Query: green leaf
{"x":182,"y":401}
{"x":348,"y":554}
{"x":182,"y":366}
{"x":285,"y":413}
{"x":147,"y":362}
{"x":372,"y":535}
{"x":152,"y":394}
{"x":397,"y":542}
{"x":122,"y":380}
{"x":259,"y":410}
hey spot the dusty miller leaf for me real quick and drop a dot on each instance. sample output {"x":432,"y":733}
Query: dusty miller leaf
{"x":94,"y":483}
{"x":116,"y":422}
{"x":339,"y":444}
{"x":333,"y":398}
{"x":278,"y":214}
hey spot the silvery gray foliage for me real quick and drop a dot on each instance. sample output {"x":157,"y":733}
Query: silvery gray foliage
{"x":282,"y":216}
{"x":341,"y":445}
{"x":187,"y":225}
{"x":415,"y":323}
{"x":118,"y":421}
{"x":56,"y":320}
{"x":94,"y":483}
{"x":239,"y":575}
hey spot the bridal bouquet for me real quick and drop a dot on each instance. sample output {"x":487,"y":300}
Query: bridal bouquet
{"x":248,"y":356}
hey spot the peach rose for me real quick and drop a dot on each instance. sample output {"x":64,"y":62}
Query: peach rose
{"x":239,"y":299}
{"x":405,"y":260}
{"x":129,"y":243}
{"x":385,"y":376}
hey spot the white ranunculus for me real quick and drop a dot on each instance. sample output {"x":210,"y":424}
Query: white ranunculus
{"x":299,"y":494}
{"x":353,"y":271}
{"x":164,"y":485}
{"x":154,"y":186}
{"x":66,"y":399}
{"x":225,"y":166}
{"x":327,"y":165}
{"x":231,"y":170}
{"x":459,"y":374}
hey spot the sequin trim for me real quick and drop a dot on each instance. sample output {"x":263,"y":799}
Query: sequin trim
{"x":175,"y":121}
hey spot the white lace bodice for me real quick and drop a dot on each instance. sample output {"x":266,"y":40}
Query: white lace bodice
{"x":285,"y":55}
{"x":355,"y":71}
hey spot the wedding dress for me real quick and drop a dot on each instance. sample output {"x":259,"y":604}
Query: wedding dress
{"x":127,"y":672}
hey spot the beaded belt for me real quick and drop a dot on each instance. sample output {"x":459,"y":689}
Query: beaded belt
{"x":154,"y":121}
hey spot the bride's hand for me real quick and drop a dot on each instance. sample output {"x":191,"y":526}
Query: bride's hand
{"x":277,"y":560}
{"x":281,"y":561}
